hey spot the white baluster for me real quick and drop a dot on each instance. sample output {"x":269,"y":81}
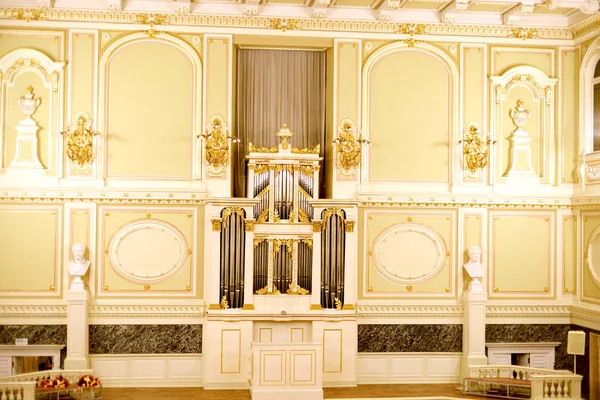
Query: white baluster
{"x":566,"y":394}
{"x":546,"y":389}
{"x":559,"y":388}
{"x":553,"y":389}
{"x":19,"y":395}
{"x":11,"y":395}
{"x":3,"y":397}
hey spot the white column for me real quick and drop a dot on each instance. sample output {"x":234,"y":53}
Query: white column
{"x":77,"y":330}
{"x":474,"y":331}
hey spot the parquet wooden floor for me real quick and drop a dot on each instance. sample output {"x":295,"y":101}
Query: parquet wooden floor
{"x":361,"y":391}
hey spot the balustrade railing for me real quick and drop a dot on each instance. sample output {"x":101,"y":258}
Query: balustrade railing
{"x":545,"y":383}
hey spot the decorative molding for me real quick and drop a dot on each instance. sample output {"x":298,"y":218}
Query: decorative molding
{"x":523,"y":33}
{"x":409,"y":311}
{"x":284,"y":24}
{"x":453,"y":311}
{"x":312,"y":24}
{"x":320,"y":7}
{"x":36,"y":311}
{"x":528,"y":311}
{"x":508,"y":205}
{"x":593,"y":172}
{"x":251,"y":9}
{"x":116,"y":5}
{"x":195,"y":311}
{"x":585,"y":314}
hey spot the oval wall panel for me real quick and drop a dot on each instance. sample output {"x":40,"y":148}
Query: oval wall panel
{"x":147,"y":251}
{"x":409,"y":253}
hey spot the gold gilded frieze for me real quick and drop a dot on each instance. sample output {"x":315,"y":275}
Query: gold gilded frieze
{"x":283,"y":24}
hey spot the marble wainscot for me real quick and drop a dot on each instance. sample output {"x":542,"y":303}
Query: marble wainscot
{"x":36,"y":334}
{"x":145,"y":339}
{"x":409,"y":338}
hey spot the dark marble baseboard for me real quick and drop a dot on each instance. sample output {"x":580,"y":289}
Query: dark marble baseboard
{"x":36,"y":334}
{"x":145,"y":339}
{"x":409,"y":338}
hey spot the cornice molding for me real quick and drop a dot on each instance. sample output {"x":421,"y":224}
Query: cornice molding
{"x":528,"y":311}
{"x":164,"y":311}
{"x":585,"y":314}
{"x":305,"y":24}
{"x":101,"y":197}
{"x":35,"y":311}
{"x":409,"y":311}
{"x":586,"y":26}
{"x":512,"y":205}
{"x":454,"y":311}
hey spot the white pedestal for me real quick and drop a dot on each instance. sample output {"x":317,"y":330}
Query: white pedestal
{"x":291,"y":371}
{"x":473,"y":331}
{"x":339,"y":339}
{"x":77,"y":330}
{"x":520,"y":156}
{"x":226,"y":350}
{"x":26,"y":154}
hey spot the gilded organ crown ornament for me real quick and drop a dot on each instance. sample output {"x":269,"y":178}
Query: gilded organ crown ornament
{"x":348,"y":147}
{"x":28,"y":102}
{"x":216,"y":143}
{"x":476,"y":150}
{"x":284,"y":134}
{"x":80,"y":141}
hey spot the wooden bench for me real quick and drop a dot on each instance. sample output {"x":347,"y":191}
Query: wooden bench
{"x":498,"y":387}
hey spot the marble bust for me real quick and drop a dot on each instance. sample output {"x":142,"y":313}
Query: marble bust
{"x":475,"y":269}
{"x":78,"y":266}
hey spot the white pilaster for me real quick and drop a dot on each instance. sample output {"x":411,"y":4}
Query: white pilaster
{"x":249,"y":269}
{"x":316,"y":269}
{"x":77,"y":330}
{"x":474,"y":331}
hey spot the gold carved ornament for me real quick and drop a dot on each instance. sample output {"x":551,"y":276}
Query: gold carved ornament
{"x":476,"y":151}
{"x":216,"y":142}
{"x":80,"y":142}
{"x":348,"y":147}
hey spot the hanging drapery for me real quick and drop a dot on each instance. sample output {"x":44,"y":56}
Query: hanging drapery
{"x":276,"y":87}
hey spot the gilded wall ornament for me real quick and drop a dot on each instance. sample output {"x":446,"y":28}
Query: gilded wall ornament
{"x":476,"y":150}
{"x":216,"y":144}
{"x":348,"y":147}
{"x":80,"y":142}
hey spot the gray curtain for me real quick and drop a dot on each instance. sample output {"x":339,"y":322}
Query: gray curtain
{"x":276,"y":87}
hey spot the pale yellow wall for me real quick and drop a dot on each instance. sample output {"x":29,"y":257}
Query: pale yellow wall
{"x":522,"y":248}
{"x":441,"y":222}
{"x":30,"y":237}
{"x":569,"y":114}
{"x":504,"y":58}
{"x":114,"y":218}
{"x":409,"y":117}
{"x":149,"y":129}
{"x":591,"y":291}
{"x":149,"y":114}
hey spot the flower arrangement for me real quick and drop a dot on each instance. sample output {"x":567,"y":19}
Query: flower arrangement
{"x":57,"y":383}
{"x":87,"y":381}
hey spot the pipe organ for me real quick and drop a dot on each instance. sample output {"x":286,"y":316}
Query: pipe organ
{"x":282,"y":272}
{"x":283,"y":180}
